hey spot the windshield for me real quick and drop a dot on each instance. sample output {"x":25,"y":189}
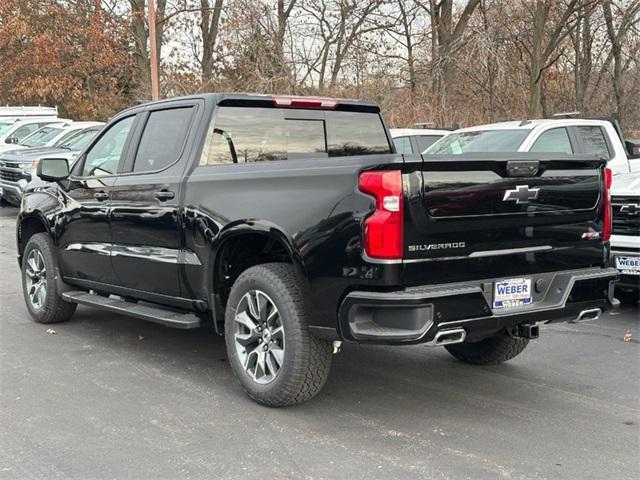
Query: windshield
{"x":479,"y":141}
{"x":4,"y":126}
{"x":79,"y":140}
{"x":41,"y":137}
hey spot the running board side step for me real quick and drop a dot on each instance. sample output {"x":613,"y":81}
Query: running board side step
{"x":166,"y":317}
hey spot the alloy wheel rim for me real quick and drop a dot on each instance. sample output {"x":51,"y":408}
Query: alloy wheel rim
{"x":36,"y":277}
{"x":259,"y":337}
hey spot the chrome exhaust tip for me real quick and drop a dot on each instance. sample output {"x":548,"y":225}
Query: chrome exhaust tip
{"x":449,"y":337}
{"x":588,"y":315}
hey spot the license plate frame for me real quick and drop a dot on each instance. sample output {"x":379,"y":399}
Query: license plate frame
{"x":634,"y":264}
{"x":512,"y":293}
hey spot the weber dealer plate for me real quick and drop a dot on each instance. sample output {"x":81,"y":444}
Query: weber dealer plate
{"x":512,"y":292}
{"x":628,"y":265}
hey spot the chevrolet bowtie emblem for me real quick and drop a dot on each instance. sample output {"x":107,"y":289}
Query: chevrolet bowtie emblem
{"x":521,"y":194}
{"x":631,"y":209}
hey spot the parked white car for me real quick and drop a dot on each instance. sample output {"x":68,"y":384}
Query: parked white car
{"x":625,"y":238}
{"x":12,"y":132}
{"x":571,"y":135}
{"x":53,"y":134}
{"x":415,"y":140}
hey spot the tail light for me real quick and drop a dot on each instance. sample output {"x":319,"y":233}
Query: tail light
{"x":607,"y":215}
{"x":383,"y":229}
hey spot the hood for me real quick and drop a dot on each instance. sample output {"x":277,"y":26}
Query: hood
{"x":626,"y":185}
{"x":7,"y":147}
{"x":31,"y":154}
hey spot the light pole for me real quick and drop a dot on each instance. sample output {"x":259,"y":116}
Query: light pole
{"x":155,"y":89}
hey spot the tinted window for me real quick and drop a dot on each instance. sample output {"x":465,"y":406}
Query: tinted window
{"x":253,"y":134}
{"x":105,"y":154}
{"x":425,"y":141}
{"x":403,"y":145}
{"x":593,"y":141}
{"x":480,"y":141}
{"x":555,"y":140}
{"x":162,"y":139}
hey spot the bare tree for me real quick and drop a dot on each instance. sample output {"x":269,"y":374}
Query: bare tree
{"x":627,"y":18}
{"x":209,"y":26}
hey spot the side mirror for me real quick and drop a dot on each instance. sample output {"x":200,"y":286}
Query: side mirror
{"x":12,"y":140}
{"x":52,"y":169}
{"x":633,"y":148}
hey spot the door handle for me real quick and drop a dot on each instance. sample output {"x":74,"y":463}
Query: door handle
{"x":100,"y":196}
{"x":164,"y":195}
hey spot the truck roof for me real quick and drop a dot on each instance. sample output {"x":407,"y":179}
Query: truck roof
{"x":531,"y":124}
{"x":268,"y":100}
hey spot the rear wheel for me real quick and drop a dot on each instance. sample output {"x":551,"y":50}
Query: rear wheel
{"x":489,"y":351}
{"x":39,"y":285}
{"x":270,"y":348}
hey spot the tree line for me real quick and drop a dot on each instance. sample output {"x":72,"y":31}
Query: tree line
{"x":440,"y":62}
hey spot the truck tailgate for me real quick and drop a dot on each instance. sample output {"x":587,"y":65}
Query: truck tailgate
{"x":467,"y":215}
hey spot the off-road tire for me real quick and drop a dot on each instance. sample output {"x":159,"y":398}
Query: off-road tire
{"x":489,"y":351}
{"x":307,"y":359}
{"x":54,"y":308}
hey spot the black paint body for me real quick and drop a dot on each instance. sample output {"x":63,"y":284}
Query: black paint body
{"x":169,"y":251}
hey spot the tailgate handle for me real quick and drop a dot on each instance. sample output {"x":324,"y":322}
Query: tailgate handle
{"x":523,"y":168}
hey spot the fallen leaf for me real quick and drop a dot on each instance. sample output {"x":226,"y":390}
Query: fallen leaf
{"x":627,"y":336}
{"x":51,"y":331}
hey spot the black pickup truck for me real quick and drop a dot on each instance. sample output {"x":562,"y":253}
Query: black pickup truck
{"x":289,"y":225}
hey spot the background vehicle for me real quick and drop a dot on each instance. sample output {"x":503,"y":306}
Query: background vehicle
{"x":13,"y":132}
{"x":625,"y":240}
{"x":288,"y":223}
{"x":572,"y":136}
{"x":16,"y":166}
{"x":24,"y":112}
{"x":53,"y":134}
{"x":415,"y":140}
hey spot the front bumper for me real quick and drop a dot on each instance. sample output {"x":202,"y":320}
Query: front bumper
{"x":420,"y":314}
{"x":627,"y":282}
{"x":11,"y":191}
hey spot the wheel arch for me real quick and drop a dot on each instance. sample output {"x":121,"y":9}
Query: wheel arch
{"x":26,"y":227}
{"x":242,"y":245}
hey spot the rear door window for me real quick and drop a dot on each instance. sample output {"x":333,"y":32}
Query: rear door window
{"x":254,"y":134}
{"x":163,"y":139}
{"x":555,"y":140}
{"x":403,"y":145}
{"x":593,"y":141}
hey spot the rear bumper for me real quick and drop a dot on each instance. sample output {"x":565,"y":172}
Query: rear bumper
{"x":418,"y":315}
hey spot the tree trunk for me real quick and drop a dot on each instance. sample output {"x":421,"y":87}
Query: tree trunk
{"x":537,"y":61}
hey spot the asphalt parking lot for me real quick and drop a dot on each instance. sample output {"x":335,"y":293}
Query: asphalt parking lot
{"x":112,"y":397}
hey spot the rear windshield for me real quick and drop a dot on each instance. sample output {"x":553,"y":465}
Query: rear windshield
{"x":41,"y":137}
{"x":253,"y":134}
{"x":480,"y":141}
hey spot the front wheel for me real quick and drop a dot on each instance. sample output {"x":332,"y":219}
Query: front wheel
{"x":39,"y":283}
{"x":270,"y":348}
{"x":489,"y":351}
